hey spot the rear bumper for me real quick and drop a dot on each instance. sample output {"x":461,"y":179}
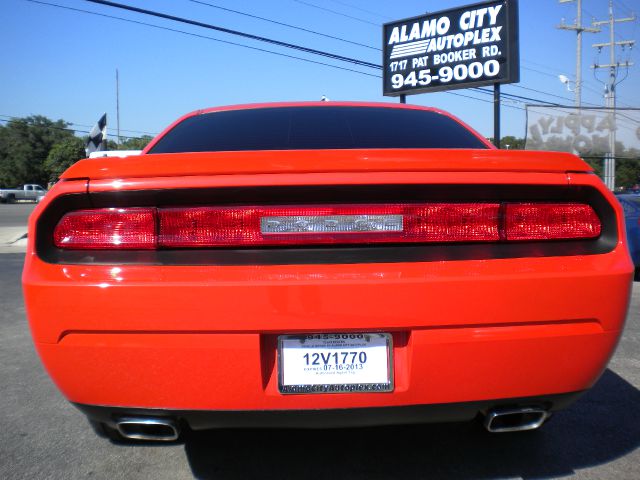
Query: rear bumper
{"x":334,"y":418}
{"x":192,"y":338}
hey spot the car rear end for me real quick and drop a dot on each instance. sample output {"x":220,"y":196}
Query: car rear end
{"x":326,"y":286}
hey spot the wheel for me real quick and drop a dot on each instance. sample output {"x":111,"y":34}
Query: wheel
{"x":11,"y":198}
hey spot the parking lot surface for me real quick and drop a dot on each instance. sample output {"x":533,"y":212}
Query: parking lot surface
{"x":15,"y":215}
{"x":45,"y":437}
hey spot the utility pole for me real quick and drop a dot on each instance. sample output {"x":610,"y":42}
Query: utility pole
{"x":610,"y":88}
{"x":578,"y":28}
{"x":118,"y":105}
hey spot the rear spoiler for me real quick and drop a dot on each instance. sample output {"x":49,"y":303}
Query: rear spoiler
{"x":325,"y":161}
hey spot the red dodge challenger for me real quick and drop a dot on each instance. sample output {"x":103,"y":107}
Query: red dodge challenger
{"x":325,"y":264}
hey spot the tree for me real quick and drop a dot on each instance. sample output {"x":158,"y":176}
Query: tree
{"x":62,"y":155}
{"x":513,"y":143}
{"x":133,"y":143}
{"x":24,"y":146}
{"x":136,"y":143}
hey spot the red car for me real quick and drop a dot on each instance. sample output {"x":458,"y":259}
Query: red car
{"x":325,"y":264}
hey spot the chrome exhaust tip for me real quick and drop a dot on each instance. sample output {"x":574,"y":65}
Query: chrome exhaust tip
{"x":144,"y":428}
{"x":515,"y":419}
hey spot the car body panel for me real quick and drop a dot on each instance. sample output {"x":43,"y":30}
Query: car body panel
{"x":203,"y":336}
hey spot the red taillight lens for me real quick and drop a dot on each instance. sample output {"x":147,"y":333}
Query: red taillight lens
{"x":550,"y":221}
{"x":189,"y":227}
{"x":286,"y":225}
{"x":107,"y":228}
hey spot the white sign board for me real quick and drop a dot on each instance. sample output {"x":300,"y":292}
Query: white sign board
{"x":584,"y":131}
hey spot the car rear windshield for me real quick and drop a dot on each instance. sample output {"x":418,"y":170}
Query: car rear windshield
{"x":313,"y":128}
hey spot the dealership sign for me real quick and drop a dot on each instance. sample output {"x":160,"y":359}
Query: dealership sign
{"x":583,"y":131}
{"x":457,"y":48}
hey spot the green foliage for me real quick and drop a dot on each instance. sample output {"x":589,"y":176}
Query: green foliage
{"x":62,"y":155}
{"x":136,"y":143}
{"x":597,"y":164}
{"x":37,"y":150}
{"x":24,"y":146}
{"x":627,"y":168}
{"x":627,"y":172}
{"x":512,"y":143}
{"x":130,"y":143}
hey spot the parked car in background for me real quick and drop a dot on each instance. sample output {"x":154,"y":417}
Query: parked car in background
{"x":631,"y":206}
{"x":325,"y":264}
{"x":29,"y":191}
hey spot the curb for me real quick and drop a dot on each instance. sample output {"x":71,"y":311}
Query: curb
{"x":12,"y":235}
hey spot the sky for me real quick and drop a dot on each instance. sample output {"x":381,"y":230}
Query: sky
{"x":61,"y":63}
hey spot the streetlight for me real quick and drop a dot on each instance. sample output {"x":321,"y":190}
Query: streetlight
{"x":564,"y":79}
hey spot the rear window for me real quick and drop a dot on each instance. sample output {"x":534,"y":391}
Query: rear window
{"x":313,"y":128}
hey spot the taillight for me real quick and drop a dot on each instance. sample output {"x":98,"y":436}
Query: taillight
{"x":242,"y":226}
{"x":287,"y":225}
{"x":107,"y":228}
{"x":550,"y":221}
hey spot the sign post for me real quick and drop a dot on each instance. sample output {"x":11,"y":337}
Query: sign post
{"x":496,"y":115}
{"x":463,"y":47}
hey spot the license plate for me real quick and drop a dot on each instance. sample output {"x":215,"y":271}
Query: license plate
{"x":335,"y":363}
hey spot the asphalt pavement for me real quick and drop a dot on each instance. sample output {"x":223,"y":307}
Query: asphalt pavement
{"x":43,"y":436}
{"x":15,"y":214}
{"x":13,"y":226}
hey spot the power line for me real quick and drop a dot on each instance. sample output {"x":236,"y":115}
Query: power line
{"x":322,"y":34}
{"x":579,"y":29}
{"x":585,"y":84}
{"x":624,"y":7}
{"x":554,"y":75}
{"x":51,"y":127}
{"x":513,"y":96}
{"x":373,"y":65}
{"x":313,"y":5}
{"x":541,"y":92}
{"x":517,"y":98}
{"x":183,"y":32}
{"x":277,"y":42}
{"x":360,"y":9}
{"x":11,"y":118}
{"x":283,"y":24}
{"x":610,"y":95}
{"x":234,"y":32}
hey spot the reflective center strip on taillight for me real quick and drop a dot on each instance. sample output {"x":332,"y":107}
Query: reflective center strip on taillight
{"x":241,"y":226}
{"x":107,"y":228}
{"x":331,"y":224}
{"x":323,"y":224}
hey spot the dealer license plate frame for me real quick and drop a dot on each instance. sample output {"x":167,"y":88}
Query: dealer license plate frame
{"x":376,"y":339}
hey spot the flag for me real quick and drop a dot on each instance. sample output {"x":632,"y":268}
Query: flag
{"x":98,"y":136}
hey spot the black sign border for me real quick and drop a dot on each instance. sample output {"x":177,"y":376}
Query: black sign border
{"x":512,"y":64}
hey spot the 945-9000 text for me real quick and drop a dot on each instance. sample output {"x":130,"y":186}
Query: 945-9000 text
{"x":446,"y":74}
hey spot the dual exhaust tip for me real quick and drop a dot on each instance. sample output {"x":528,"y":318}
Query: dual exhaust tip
{"x":497,"y":421}
{"x":148,"y":428}
{"x":515,"y":419}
